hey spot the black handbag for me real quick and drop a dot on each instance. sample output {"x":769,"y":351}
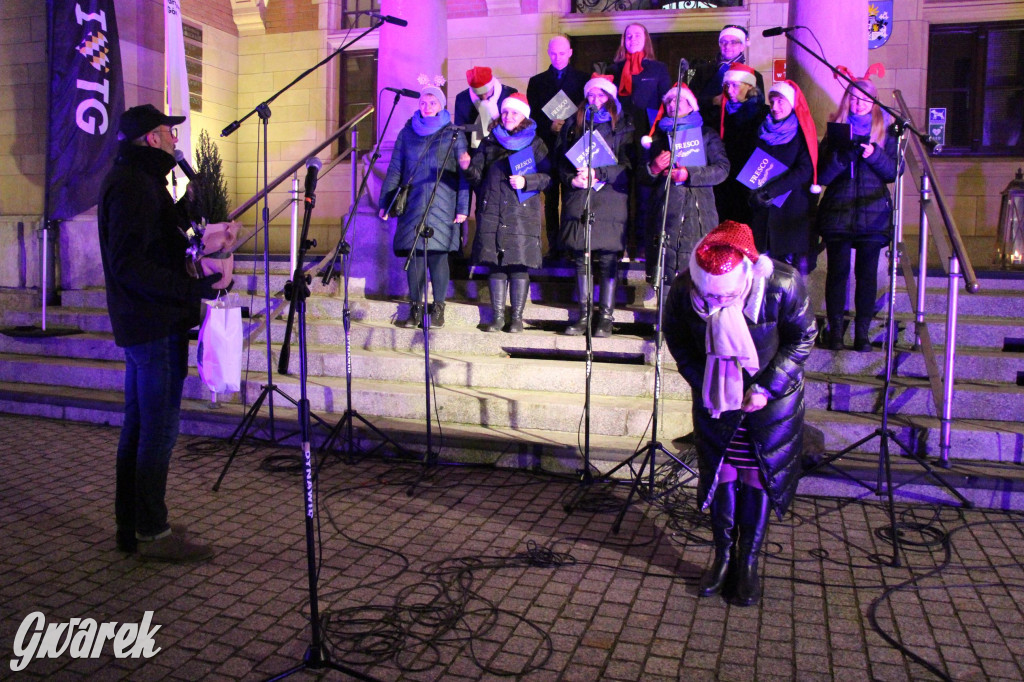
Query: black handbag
{"x":401,"y":200}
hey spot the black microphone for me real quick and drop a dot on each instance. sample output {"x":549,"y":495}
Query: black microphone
{"x":684,"y":65}
{"x":403,"y":92}
{"x":389,"y":19}
{"x":313,"y":167}
{"x":777,"y":31}
{"x":184,"y":165}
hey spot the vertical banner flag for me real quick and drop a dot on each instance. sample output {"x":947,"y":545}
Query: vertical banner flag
{"x":86,"y":102}
{"x":176,"y":87}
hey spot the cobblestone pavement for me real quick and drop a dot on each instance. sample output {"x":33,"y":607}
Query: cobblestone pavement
{"x":481,"y":574}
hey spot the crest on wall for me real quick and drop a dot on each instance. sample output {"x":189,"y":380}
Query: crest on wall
{"x":879,"y":22}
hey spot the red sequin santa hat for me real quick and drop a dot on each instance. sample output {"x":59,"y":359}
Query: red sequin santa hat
{"x":795,"y":96}
{"x":721,"y":254}
{"x":479,"y":79}
{"x":684,"y":93}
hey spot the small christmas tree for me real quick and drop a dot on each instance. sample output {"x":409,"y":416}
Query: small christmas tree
{"x":210,"y":200}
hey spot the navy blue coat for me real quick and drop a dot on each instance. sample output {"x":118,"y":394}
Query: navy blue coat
{"x":649,"y":86}
{"x":856,"y":205}
{"x":546,"y":85}
{"x":452,"y":192}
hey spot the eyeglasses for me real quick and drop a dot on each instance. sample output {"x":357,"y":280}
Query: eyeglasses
{"x":725,"y":42}
{"x":718,"y":298}
{"x":173,"y":131}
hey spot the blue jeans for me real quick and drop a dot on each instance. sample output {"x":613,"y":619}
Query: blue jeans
{"x":153,"y":380}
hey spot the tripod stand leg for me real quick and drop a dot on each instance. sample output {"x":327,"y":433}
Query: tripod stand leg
{"x":239,"y":433}
{"x":648,"y":458}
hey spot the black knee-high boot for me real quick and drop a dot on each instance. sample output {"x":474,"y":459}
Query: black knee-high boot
{"x":519,"y":291}
{"x":498,"y":287}
{"x":605,"y":307}
{"x":580,"y":325}
{"x":723,"y":511}
{"x":752,"y":509}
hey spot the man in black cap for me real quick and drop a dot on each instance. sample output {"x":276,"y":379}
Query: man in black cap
{"x":153,"y":303}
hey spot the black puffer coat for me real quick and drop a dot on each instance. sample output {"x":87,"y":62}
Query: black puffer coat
{"x":691,"y":205}
{"x":784,"y":335}
{"x":857,"y":207}
{"x":739,"y":136}
{"x":779,"y":230}
{"x":610,"y":204}
{"x":452,"y":192}
{"x":507,"y":231}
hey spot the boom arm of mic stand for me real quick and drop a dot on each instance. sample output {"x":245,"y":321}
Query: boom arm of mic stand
{"x":897,"y":116}
{"x":232,"y":127}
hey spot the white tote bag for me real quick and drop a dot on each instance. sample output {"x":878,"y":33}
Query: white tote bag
{"x":220,"y":345}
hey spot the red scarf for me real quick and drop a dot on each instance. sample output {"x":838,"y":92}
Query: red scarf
{"x":632,"y":66}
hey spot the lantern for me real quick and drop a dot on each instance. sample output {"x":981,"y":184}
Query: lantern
{"x":1010,"y":244}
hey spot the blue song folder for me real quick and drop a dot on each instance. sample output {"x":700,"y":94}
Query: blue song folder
{"x":759,"y":169}
{"x":689,"y":148}
{"x":522,"y":163}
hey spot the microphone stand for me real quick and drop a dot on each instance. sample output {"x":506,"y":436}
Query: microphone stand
{"x":297,"y":291}
{"x":654,"y":446}
{"x":327,"y":273}
{"x":423,"y":235}
{"x":899,"y":129}
{"x":268,"y":391}
{"x":586,"y":477}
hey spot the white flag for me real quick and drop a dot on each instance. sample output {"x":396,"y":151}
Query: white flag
{"x":176,"y":86}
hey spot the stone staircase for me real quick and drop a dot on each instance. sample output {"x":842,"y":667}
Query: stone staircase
{"x":518,"y":399}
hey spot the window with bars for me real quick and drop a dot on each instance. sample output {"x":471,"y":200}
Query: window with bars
{"x":976,"y":73}
{"x":354,"y":13}
{"x":357,"y":90}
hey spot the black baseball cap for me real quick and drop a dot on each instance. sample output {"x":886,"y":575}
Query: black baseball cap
{"x":141,"y":119}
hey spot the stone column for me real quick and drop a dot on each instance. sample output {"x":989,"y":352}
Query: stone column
{"x":404,"y":53}
{"x":842,"y":30}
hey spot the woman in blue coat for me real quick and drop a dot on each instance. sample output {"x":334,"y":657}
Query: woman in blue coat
{"x":856,"y":210}
{"x":417,"y":160}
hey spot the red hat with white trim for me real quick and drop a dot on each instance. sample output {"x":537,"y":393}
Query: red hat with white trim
{"x":685,"y":93}
{"x":795,"y":96}
{"x":517,"y":102}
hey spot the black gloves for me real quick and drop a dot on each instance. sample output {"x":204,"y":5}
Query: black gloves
{"x":203,"y":287}
{"x":760,"y":198}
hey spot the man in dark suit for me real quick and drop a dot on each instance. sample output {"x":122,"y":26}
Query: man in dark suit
{"x":541,"y":88}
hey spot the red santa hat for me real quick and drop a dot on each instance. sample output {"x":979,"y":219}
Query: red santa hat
{"x":740,"y":73}
{"x":517,"y":102}
{"x":791,"y":91}
{"x":685,"y":93}
{"x":724,"y":255}
{"x":479,"y":79}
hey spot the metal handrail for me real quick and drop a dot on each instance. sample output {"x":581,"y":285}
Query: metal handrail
{"x":348,"y":125}
{"x":959,"y":262}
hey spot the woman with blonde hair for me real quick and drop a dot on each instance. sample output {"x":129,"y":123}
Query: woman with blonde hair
{"x":856,"y":209}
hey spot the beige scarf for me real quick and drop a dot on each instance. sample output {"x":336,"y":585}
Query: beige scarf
{"x":487,"y":109}
{"x":730,"y":349}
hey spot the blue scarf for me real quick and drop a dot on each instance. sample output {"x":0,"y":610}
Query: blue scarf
{"x":520,"y":140}
{"x":602,"y":115}
{"x":691,"y":120}
{"x":860,"y":125}
{"x":778,"y":132}
{"x":425,"y":126}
